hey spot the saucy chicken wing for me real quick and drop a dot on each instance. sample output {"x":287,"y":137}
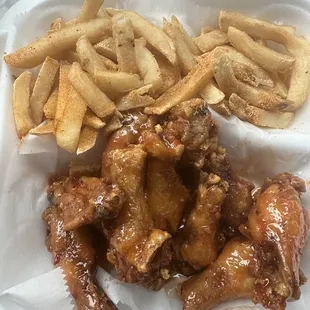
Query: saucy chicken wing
{"x":201,"y":236}
{"x":74,"y":253}
{"x":166,"y":195}
{"x":132,"y":236}
{"x":278,"y":226}
{"x":85,"y":200}
{"x":230,"y":276}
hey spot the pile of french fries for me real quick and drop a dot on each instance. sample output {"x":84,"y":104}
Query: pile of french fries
{"x":107,"y":61}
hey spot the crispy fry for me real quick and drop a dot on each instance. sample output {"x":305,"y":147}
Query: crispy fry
{"x":69,"y":126}
{"x":89,"y":59}
{"x":42,"y":88}
{"x":137,"y":98}
{"x":49,"y":108}
{"x":208,"y":41}
{"x":112,"y":125}
{"x":211,"y":94}
{"x":246,"y":70}
{"x":92,"y":120}
{"x":259,"y":117}
{"x":21,"y":104}
{"x":89,"y":10}
{"x":97,"y":101}
{"x":221,"y":108}
{"x":156,"y":37}
{"x":183,"y":90}
{"x":265,"y":57}
{"x":296,"y":46}
{"x":107,"y":48}
{"x":63,"y":91}
{"x":185,"y":55}
{"x":148,"y":66}
{"x":206,"y":29}
{"x":169,"y":73}
{"x":225,"y":78}
{"x":48,"y":128}
{"x":57,"y":24}
{"x":109,"y":64}
{"x":189,"y":40}
{"x":121,"y":82}
{"x":87,"y":139}
{"x":57,"y":42}
{"x":124,"y":37}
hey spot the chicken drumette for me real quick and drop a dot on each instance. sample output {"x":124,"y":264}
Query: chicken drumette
{"x":74,"y":253}
{"x":230,"y":276}
{"x":278,"y":226}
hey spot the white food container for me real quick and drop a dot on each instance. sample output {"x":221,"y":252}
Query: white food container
{"x":28,"y":280}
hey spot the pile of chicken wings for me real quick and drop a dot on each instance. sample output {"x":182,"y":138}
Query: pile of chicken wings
{"x":168,"y":202}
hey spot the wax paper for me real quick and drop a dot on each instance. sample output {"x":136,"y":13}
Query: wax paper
{"x":28,"y":279}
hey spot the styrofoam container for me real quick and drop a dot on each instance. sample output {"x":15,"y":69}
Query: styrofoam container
{"x":28,"y":280}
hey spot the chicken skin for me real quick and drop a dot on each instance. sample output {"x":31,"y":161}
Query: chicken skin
{"x":278,"y":226}
{"x":230,"y":276}
{"x":166,"y":195}
{"x":85,"y":200}
{"x":201,"y":236}
{"x":132,"y":236}
{"x":74,"y":253}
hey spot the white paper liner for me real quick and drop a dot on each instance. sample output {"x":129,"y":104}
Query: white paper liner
{"x":25,"y":263}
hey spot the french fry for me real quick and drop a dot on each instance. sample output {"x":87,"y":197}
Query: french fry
{"x":57,"y":42}
{"x":21,"y":104}
{"x":170,"y":74}
{"x":137,"y":98}
{"x":42,"y":88}
{"x":79,"y":168}
{"x":63,"y":91}
{"x":49,"y":108}
{"x":296,"y":46}
{"x":225,"y":78}
{"x":189,"y":40}
{"x":70,"y":56}
{"x":87,"y":139}
{"x":48,"y":128}
{"x":96,"y":100}
{"x":89,"y":10}
{"x":113,"y":125}
{"x":279,"y":86}
{"x":186,"y":58}
{"x":92,"y":120}
{"x":68,"y":128}
{"x":89,"y":59}
{"x":265,"y":57}
{"x":211,"y":94}
{"x":156,"y":37}
{"x":123,"y":34}
{"x":57,"y":24}
{"x":109,"y":64}
{"x":221,"y":108}
{"x":184,"y":89}
{"x":206,"y":29}
{"x":107,"y":48}
{"x":254,"y":27}
{"x":257,"y":116}
{"x":120,"y":82}
{"x":208,"y":41}
{"x":148,"y":66}
{"x":102,"y":13}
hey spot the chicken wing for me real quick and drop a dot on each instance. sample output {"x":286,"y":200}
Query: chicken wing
{"x":278,"y":225}
{"x":191,"y":123}
{"x":132,"y":236}
{"x":231,"y":276}
{"x":201,"y":236}
{"x":74,"y":253}
{"x":85,"y":200}
{"x":166,"y":195}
